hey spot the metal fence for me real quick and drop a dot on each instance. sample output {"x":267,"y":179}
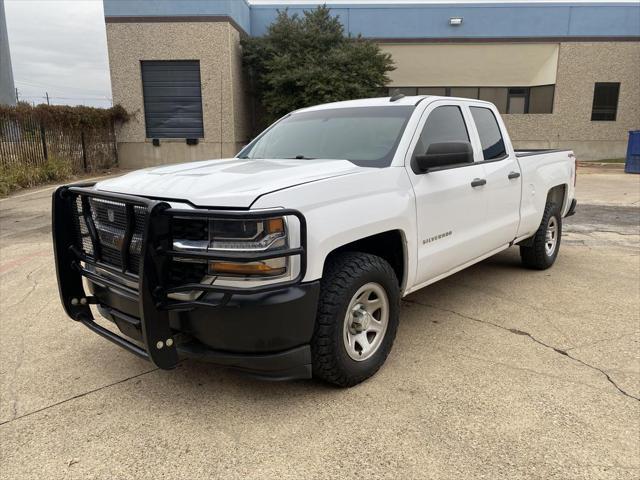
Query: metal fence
{"x":28,"y":141}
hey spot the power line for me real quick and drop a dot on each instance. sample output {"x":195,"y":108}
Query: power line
{"x":53,"y":100}
{"x":57,"y":87}
{"x":66,"y":98}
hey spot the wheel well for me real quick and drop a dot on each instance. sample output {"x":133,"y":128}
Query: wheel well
{"x":388,"y":245}
{"x":557,"y":194}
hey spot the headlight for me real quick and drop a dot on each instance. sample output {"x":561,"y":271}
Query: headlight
{"x":243,"y":237}
{"x":247,"y":235}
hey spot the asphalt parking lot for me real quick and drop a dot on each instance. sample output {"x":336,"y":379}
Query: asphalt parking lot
{"x":497,"y":372}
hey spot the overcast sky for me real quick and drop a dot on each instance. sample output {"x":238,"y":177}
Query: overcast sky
{"x":60,"y":47}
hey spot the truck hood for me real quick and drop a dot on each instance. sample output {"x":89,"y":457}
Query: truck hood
{"x":225,"y":183}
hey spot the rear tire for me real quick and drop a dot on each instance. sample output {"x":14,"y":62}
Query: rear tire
{"x":357,"y":319}
{"x":542,"y":249}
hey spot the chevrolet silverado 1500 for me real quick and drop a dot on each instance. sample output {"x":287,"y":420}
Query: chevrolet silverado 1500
{"x":290,"y":260}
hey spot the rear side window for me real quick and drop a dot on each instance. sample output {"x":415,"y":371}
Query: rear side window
{"x":489,"y":132}
{"x":445,"y":124}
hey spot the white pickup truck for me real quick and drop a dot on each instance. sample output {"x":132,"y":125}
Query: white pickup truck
{"x":290,"y":260}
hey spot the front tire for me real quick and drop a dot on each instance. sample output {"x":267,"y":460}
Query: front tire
{"x":357,"y":319}
{"x":541,"y":251}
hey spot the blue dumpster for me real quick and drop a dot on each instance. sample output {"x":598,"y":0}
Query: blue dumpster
{"x":632,"y":163}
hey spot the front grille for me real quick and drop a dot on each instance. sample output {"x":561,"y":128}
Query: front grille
{"x":135,"y":248}
{"x":82,"y":231}
{"x":109,"y":218}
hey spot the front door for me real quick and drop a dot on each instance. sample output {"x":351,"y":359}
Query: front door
{"x":450,"y":210}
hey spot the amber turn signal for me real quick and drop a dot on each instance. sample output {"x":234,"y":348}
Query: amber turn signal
{"x":275,"y":225}
{"x":251,"y":268}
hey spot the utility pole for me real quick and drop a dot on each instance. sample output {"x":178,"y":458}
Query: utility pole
{"x":17,"y":95}
{"x":47,"y":94}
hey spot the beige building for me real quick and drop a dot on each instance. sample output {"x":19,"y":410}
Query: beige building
{"x":564,"y":75}
{"x":559,"y":80}
{"x":215,"y":46}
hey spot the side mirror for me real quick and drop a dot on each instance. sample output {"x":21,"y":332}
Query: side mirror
{"x":442,"y":155}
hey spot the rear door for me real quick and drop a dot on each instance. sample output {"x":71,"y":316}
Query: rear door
{"x":450,"y":211}
{"x":504,"y":179}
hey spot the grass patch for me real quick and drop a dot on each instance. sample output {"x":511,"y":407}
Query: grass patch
{"x":24,"y":176}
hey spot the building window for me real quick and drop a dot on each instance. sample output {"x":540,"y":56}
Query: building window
{"x":507,"y":99}
{"x":438,"y":91}
{"x":496,"y":95}
{"x":489,"y":133}
{"x":172,"y":99}
{"x":406,"y":91}
{"x":463,"y":92}
{"x":605,"y":101}
{"x":541,"y":99}
{"x":518,"y":100}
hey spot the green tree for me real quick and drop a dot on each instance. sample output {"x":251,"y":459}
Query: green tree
{"x":307,"y":60}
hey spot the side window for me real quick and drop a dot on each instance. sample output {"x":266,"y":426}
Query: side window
{"x":445,"y":124}
{"x":489,"y":132}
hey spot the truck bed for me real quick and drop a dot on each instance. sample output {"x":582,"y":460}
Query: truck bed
{"x":541,"y":170}
{"x":538,"y":151}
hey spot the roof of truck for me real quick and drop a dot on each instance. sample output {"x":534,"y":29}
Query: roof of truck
{"x":383,"y":102}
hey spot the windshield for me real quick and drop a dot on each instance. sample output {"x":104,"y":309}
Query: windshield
{"x":366,"y":136}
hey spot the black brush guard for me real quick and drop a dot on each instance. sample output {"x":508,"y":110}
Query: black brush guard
{"x":155,"y":261}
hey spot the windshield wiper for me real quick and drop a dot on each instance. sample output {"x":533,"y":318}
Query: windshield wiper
{"x":299,"y":157}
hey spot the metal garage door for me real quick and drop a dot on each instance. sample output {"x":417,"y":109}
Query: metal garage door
{"x":172,"y":99}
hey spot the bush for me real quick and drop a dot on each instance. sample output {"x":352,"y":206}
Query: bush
{"x":308,"y":60}
{"x":65,"y":116}
{"x":24,"y":176}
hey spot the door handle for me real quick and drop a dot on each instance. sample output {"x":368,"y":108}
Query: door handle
{"x":513,"y":175}
{"x":478,"y":182}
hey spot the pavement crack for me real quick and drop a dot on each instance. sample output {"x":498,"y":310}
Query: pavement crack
{"x":520,"y":303}
{"x":80,"y":395}
{"x":532,"y":338}
{"x":34,"y":285}
{"x":603,"y":340}
{"x":529,"y":371}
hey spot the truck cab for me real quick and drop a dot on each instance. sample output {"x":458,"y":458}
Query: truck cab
{"x":290,"y":260}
